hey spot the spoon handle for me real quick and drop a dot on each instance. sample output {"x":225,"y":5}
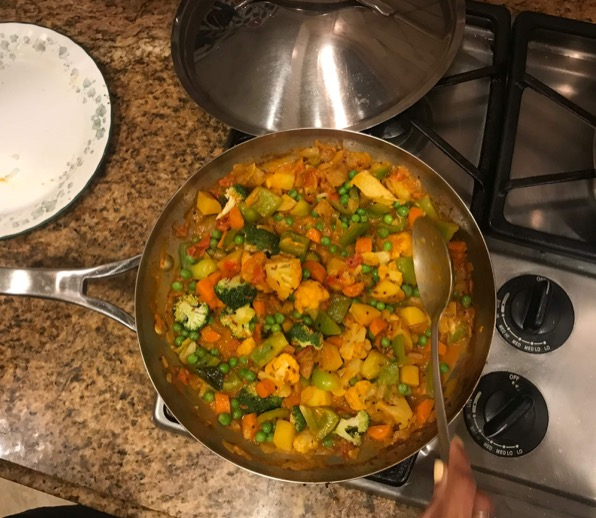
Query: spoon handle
{"x":438,"y":394}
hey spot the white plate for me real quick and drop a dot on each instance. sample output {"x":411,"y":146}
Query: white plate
{"x":55,"y":118}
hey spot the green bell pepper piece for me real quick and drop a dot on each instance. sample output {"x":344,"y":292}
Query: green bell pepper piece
{"x":376,"y":210}
{"x":326,"y":325}
{"x":294,"y":244}
{"x":203,"y":268}
{"x":427,"y":206}
{"x":398,"y":225}
{"x":325,"y":380}
{"x":321,"y":421}
{"x":353,"y":232}
{"x":428,"y":376}
{"x":398,"y":344}
{"x":338,"y":307}
{"x":389,"y":374}
{"x":447,"y":228}
{"x":272,"y":415}
{"x":380,"y":170}
{"x":458,"y":334}
{"x":264,"y":201}
{"x":269,"y":349}
{"x":232,"y":383}
{"x":182,"y":253}
{"x":249,"y":214}
{"x":228,"y":241}
{"x":406,"y":266}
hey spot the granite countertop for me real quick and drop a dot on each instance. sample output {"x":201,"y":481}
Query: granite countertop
{"x":76,"y":401}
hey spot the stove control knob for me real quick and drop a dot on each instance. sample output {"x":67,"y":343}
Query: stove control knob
{"x":506,"y":415}
{"x":534,"y":313}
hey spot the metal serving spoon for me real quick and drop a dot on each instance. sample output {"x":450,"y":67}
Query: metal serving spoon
{"x":434,"y":277}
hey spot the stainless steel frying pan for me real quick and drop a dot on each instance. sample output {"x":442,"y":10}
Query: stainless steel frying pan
{"x":152,"y":287}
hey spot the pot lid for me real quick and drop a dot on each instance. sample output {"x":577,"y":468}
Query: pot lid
{"x":262,"y":66}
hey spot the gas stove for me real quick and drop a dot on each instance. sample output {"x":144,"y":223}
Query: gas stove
{"x":511,"y":127}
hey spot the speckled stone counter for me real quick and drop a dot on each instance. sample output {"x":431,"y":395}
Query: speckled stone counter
{"x":75,"y":402}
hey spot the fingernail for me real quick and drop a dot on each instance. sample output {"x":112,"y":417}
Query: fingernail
{"x":458,"y":441}
{"x":438,"y":471}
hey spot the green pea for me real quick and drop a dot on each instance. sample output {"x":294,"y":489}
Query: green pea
{"x":216,"y":234}
{"x":267,"y":427}
{"x":342,"y":191}
{"x":214,"y":351}
{"x":416,"y":291}
{"x":455,"y":295}
{"x":403,"y":211}
{"x":355,"y":218}
{"x":224,"y":419}
{"x":275,"y":328}
{"x":380,"y":306}
{"x":209,"y":396}
{"x":234,"y":403}
{"x":361,"y":212}
{"x":344,"y":253}
{"x":344,"y":199}
{"x":233,"y":362}
{"x":308,"y":320}
{"x":260,"y":437}
{"x":389,"y":308}
{"x":192,"y":359}
{"x":363,"y":219}
{"x":373,"y":303}
{"x":194,"y":335}
{"x":325,"y":240}
{"x":224,"y":368}
{"x":396,"y":205}
{"x":177,"y":327}
{"x":366,"y":268}
{"x":385,"y":342}
{"x":352,"y":173}
{"x":243,"y":360}
{"x":353,"y":380}
{"x":195,"y":239}
{"x":314,"y":213}
{"x":289,"y":220}
{"x":387,"y":245}
{"x":277,"y":217}
{"x":192,"y":287}
{"x":345,"y":224}
{"x":270,"y":437}
{"x":279,"y":318}
{"x":213,"y":243}
{"x":179,"y":339}
{"x":270,"y":320}
{"x":306,"y":273}
{"x":238,"y":239}
{"x":466,"y":301}
{"x":177,"y":286}
{"x":190,"y":259}
{"x":292,"y":193}
{"x":296,"y":314}
{"x":328,"y":442}
{"x":408,"y":391}
{"x":428,"y":333}
{"x":407,"y":289}
{"x":402,"y":389}
{"x":319,"y":226}
{"x":444,"y":367}
{"x":185,"y":332}
{"x":266,"y":328}
{"x":383,"y":233}
{"x":250,"y":376}
{"x":237,"y":413}
{"x":422,"y":340}
{"x":388,"y":218}
{"x":334,"y":249}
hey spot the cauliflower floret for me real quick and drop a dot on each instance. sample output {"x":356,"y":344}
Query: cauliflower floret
{"x":238,"y":321}
{"x":283,"y":275}
{"x":309,"y":295}
{"x":354,"y":343}
{"x":376,"y":258}
{"x":305,"y":441}
{"x":233,"y":198}
{"x":390,"y":271}
{"x":357,"y":395}
{"x":284,"y":371}
{"x":399,"y":411}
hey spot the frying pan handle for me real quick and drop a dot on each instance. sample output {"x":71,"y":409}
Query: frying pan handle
{"x":68,"y":286}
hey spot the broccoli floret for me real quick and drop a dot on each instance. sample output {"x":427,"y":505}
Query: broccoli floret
{"x":303,"y":336}
{"x":191,"y":313}
{"x":261,"y":239}
{"x":239,"y":321}
{"x":235,"y":293}
{"x":250,"y":402}
{"x":234,"y":196}
{"x":297,"y":419}
{"x":353,"y":428}
{"x":239,"y":190}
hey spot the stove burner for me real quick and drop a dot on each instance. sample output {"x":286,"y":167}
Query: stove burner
{"x":506,"y":415}
{"x":534,"y":314}
{"x":401,"y":132}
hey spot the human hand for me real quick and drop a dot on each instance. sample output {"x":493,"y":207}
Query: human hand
{"x":456,"y":494}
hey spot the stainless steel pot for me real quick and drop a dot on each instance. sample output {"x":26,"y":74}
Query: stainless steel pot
{"x":152,"y":287}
